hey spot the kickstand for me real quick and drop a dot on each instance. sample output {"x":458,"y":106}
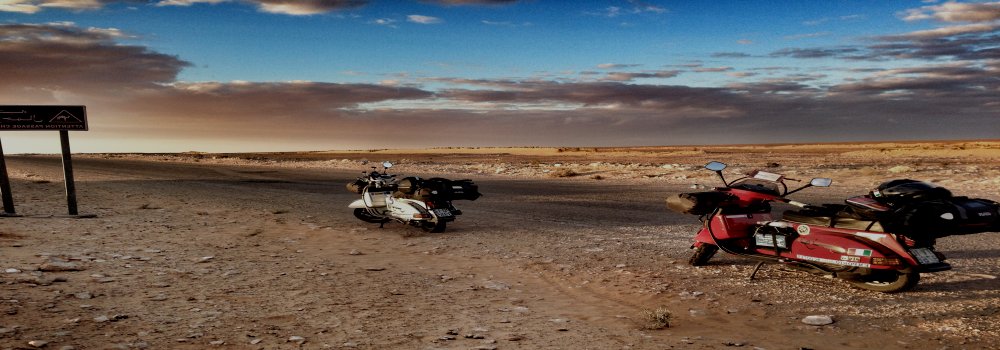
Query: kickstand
{"x":755,"y":269}
{"x":381,"y":224}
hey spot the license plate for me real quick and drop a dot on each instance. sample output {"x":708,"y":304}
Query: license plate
{"x":768,"y":240}
{"x":441,"y":213}
{"x":924,"y":256}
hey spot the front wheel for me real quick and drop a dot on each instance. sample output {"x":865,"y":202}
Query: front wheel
{"x":437,"y":226}
{"x":364,"y":215}
{"x":888,"y":282}
{"x":702,"y":253}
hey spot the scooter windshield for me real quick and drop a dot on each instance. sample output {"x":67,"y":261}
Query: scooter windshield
{"x":759,"y":186}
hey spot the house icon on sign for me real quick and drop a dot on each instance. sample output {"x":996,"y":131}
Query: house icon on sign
{"x":65,"y":117}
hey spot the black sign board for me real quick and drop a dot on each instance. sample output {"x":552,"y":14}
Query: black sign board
{"x":43,"y":118}
{"x":55,"y":118}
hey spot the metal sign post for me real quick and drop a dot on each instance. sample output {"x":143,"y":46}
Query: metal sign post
{"x":67,"y":163}
{"x":61,"y":118}
{"x":8,"y":199}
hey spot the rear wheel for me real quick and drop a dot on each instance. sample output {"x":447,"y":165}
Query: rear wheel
{"x":437,"y":226}
{"x":888,"y":282}
{"x":702,"y":254}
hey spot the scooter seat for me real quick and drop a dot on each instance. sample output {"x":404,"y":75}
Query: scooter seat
{"x":815,"y":218}
{"x":807,"y":217}
{"x":855,"y":224}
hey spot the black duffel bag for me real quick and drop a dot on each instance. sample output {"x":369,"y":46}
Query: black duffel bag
{"x":452,"y":189}
{"x":900,"y":192}
{"x":945,"y":217}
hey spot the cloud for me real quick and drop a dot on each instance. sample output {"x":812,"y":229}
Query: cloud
{"x":250,"y":101}
{"x":48,"y":58}
{"x":238,"y":116}
{"x":642,"y":6}
{"x":963,"y":79}
{"x":19,"y":7}
{"x":823,"y":20}
{"x":956,"y":12}
{"x":636,"y":8}
{"x":616,"y":65}
{"x":384,"y":22}
{"x":965,"y":42}
{"x":287,"y":7}
{"x":305,"y":7}
{"x":600,"y":94}
{"x":34,"y":6}
{"x":816,"y":22}
{"x":775,"y":110}
{"x":822,"y":52}
{"x":495,"y":23}
{"x":744,"y":41}
{"x":133,"y":88}
{"x":188,"y":2}
{"x":806,"y":35}
{"x":947,"y":31}
{"x":470,"y":2}
{"x":713,"y":69}
{"x":629,"y":76}
{"x":731,"y":55}
{"x":974,"y":39}
{"x":423,"y":19}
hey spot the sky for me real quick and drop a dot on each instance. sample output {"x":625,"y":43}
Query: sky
{"x":311,"y":75}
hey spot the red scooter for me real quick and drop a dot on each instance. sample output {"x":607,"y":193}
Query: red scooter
{"x":737,"y":220}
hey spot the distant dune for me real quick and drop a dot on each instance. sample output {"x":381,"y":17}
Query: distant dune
{"x":970,"y":165}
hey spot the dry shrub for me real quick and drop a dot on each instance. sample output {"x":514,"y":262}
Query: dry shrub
{"x":656,"y":319}
{"x":597,"y":177}
{"x":564,"y":173}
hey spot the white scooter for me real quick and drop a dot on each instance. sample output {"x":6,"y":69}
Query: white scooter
{"x":385,"y":199}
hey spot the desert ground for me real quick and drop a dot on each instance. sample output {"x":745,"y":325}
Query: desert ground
{"x":570,"y":248}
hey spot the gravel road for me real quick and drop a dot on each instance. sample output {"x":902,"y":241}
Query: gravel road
{"x":189,"y":255}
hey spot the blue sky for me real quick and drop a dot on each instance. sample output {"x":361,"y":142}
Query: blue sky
{"x":275,"y":75}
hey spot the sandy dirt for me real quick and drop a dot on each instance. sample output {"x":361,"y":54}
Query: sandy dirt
{"x":568,"y":249}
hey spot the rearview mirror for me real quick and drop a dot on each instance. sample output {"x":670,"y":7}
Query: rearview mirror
{"x":821,"y":182}
{"x":386,"y":165}
{"x":715,"y":166}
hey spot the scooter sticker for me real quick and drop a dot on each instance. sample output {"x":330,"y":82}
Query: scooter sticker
{"x":803,"y":230}
{"x":850,"y":258}
{"x":831,"y":261}
{"x":859,"y":252}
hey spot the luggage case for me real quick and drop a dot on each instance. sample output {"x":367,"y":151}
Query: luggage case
{"x":945,"y":217}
